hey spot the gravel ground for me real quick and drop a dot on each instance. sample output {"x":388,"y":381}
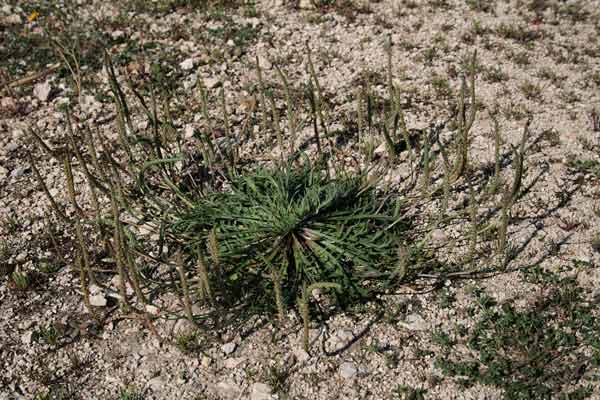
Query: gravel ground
{"x":538,"y":58}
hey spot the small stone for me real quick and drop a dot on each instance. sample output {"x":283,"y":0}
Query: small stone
{"x":414,"y":322}
{"x":116,"y":35}
{"x":206,"y":361}
{"x":228,"y":348}
{"x":211,"y":82}
{"x":18,"y":133}
{"x":260,"y":391}
{"x":301,"y":355}
{"x":89,"y":104}
{"x":188,"y":131}
{"x":306,"y":5}
{"x":438,"y":236}
{"x":233,"y":362}
{"x":3,"y":172}
{"x":12,"y":146}
{"x":184,"y":327}
{"x":13,"y":19}
{"x":187,"y":64}
{"x":98,"y":300}
{"x":228,"y":390}
{"x":42,"y":91}
{"x":381,"y":149}
{"x":95,"y":289}
{"x":27,"y":337}
{"x":190,"y":82}
{"x":21,"y":257}
{"x":264,"y":62}
{"x":17,"y":172}
{"x":157,"y":383}
{"x":8,"y":104}
{"x":150,"y":309}
{"x":348,"y":370}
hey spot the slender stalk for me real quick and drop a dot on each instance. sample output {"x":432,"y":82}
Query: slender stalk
{"x":187,"y":304}
{"x":290,"y":110}
{"x":85,"y":289}
{"x":262,"y":99}
{"x":473,"y":214}
{"x":83,"y":250}
{"x":497,"y":144}
{"x":119,"y":258}
{"x":68,"y":170}
{"x":41,"y":143}
{"x":276,"y":127}
{"x":304,"y":312}
{"x":134,"y":274}
{"x":202,"y":271}
{"x":313,"y":109}
{"x":215,"y":254}
{"x":231,"y":151}
{"x":41,"y":182}
{"x":426,"y":166}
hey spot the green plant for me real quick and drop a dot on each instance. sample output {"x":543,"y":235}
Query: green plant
{"x":21,"y":280}
{"x":10,"y":224}
{"x":55,"y":392}
{"x":587,"y":166}
{"x":131,"y":393}
{"x":49,"y":267}
{"x":532,"y":353}
{"x":532,"y":91}
{"x":187,"y":342}
{"x":48,"y":334}
{"x":405,"y":392}
{"x":301,"y":225}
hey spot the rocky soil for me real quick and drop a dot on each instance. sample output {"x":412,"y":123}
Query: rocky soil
{"x":538,"y":58}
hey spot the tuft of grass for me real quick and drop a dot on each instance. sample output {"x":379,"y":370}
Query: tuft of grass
{"x":300,"y":225}
{"x":20,"y":280}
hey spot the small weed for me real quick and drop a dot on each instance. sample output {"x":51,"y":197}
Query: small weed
{"x":442,"y":339}
{"x":486,"y":6}
{"x":21,"y":280}
{"x":552,"y":136}
{"x":131,"y":393}
{"x":187,"y":342}
{"x":48,"y":334}
{"x":596,"y":243}
{"x":49,"y":267}
{"x":518,"y":33}
{"x":521,"y":58}
{"x":532,"y":91}
{"x":494,"y":74}
{"x":585,"y":166}
{"x":540,"y":351}
{"x":429,"y":55}
{"x":441,"y":86}
{"x":55,"y":392}
{"x":549,"y":75}
{"x":404,"y":392}
{"x":10,"y":224}
{"x":277,"y":377}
